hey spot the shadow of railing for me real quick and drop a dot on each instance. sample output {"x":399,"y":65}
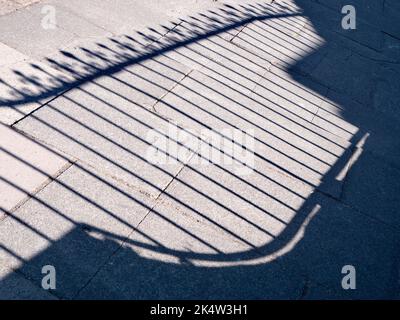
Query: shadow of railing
{"x":144,"y":51}
{"x":184,"y":230}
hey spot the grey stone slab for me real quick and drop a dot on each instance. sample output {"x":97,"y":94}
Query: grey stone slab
{"x":173,"y":256}
{"x":71,"y":21}
{"x":332,"y":119}
{"x":246,"y":41}
{"x":40,"y":82}
{"x":143,"y":278}
{"x":118,"y":17}
{"x":23,"y":31}
{"x":17,"y":154}
{"x":392,"y":4}
{"x":179,"y":9}
{"x":334,"y":235}
{"x":231,"y":34}
{"x":16,"y":287}
{"x":106,"y":123}
{"x":74,"y":224}
{"x":151,"y":80}
{"x":10,"y":56}
{"x":307,"y":260}
{"x":9,"y":6}
{"x":289,"y":25}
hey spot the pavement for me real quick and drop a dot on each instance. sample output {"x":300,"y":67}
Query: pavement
{"x":199,"y":149}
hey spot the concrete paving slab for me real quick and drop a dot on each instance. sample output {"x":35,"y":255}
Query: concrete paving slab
{"x":13,"y":146}
{"x":276,"y":110}
{"x":140,"y":278}
{"x":71,"y":21}
{"x":385,"y":92}
{"x":10,"y":55}
{"x":391,"y":48}
{"x":272,"y":45}
{"x":118,"y":17}
{"x":9,"y":6}
{"x":23,"y":31}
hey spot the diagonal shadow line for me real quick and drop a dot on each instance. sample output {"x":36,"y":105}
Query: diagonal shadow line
{"x":242,"y":48}
{"x":275,"y":21}
{"x":11,"y":252}
{"x":57,"y":211}
{"x":289,"y":21}
{"x":178,"y":126}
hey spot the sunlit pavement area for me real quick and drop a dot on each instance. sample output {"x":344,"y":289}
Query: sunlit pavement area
{"x":110,"y":111}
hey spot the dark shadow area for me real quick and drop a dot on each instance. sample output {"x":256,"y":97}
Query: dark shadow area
{"x":323,"y":189}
